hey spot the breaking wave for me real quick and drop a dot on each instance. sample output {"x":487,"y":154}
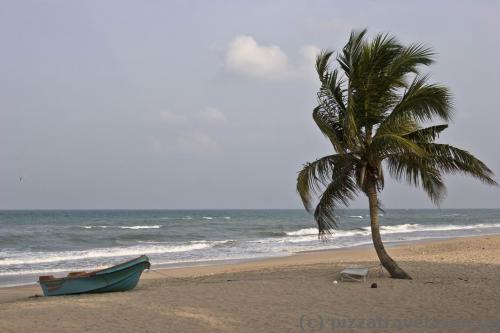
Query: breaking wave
{"x":25,"y":258}
{"x":133,"y":227}
{"x":399,"y":228}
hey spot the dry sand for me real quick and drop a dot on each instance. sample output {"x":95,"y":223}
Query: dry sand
{"x":456,"y":288}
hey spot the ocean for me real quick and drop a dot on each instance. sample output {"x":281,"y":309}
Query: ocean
{"x":42,"y":242}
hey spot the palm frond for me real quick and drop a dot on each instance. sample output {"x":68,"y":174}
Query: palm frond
{"x":422,"y":102}
{"x":409,"y":59}
{"x":428,"y":134}
{"x":418,"y":171}
{"x":322,"y":61}
{"x":313,"y":177}
{"x":378,"y":55}
{"x":402,"y":127}
{"x":340,"y":191}
{"x":453,"y":160}
{"x":390,"y":144}
{"x":331,"y":92}
{"x":351,"y":52}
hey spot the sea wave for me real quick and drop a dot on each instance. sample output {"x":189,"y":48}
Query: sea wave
{"x":25,"y":258}
{"x":408,"y":227}
{"x":302,"y":232}
{"x":270,"y":243}
{"x":399,"y":228}
{"x":50,"y":270}
{"x":133,"y":227}
{"x":305,"y":235}
{"x":335,"y":233}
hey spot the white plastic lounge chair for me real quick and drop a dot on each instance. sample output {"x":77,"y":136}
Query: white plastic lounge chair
{"x":354,"y":274}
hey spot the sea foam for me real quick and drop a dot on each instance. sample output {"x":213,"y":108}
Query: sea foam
{"x":25,"y":258}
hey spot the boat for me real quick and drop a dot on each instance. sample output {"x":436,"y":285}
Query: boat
{"x":121,"y":277}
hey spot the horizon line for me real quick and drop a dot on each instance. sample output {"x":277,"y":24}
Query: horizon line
{"x":214,"y":209}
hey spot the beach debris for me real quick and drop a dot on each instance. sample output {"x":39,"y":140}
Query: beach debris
{"x":374,"y":285}
{"x":354,"y":273}
{"x":335,"y":282}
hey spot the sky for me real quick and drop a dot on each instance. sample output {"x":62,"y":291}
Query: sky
{"x":207,"y":104}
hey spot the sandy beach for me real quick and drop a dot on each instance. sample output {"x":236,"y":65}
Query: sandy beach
{"x":456,"y":288}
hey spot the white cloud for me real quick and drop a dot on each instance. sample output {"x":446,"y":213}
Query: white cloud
{"x":211,"y":116}
{"x":190,"y":132}
{"x":193,"y":142}
{"x":199,"y":143}
{"x":307,"y":68}
{"x":309,"y":53}
{"x":245,"y":57}
{"x":207,"y":116}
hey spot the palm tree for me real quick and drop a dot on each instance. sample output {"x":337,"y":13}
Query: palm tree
{"x":373,"y":108}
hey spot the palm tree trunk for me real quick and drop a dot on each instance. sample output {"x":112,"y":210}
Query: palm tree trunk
{"x":386,"y":261}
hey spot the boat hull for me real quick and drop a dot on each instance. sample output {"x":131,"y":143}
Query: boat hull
{"x":121,"y":277}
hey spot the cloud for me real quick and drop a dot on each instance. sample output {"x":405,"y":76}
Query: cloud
{"x":245,"y":57}
{"x":308,"y":66}
{"x":199,"y":143}
{"x":309,"y":53}
{"x":188,"y":132}
{"x":211,"y":116}
{"x":207,"y":116}
{"x":193,"y":142}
